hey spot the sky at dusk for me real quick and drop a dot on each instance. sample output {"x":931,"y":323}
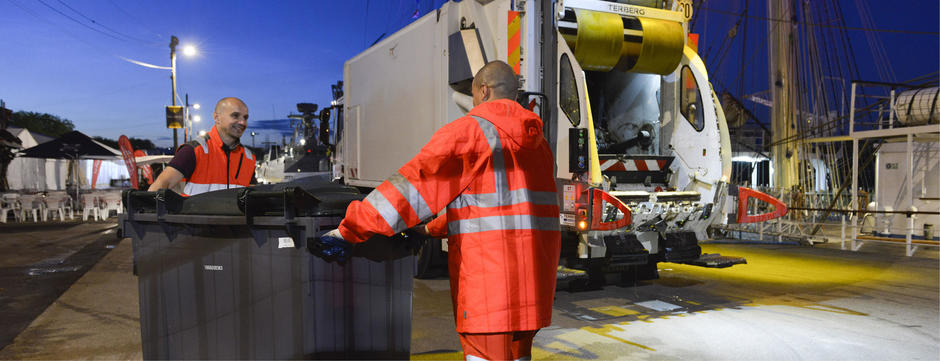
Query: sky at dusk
{"x":65,"y":57}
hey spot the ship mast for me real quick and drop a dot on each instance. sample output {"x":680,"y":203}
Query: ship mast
{"x":782,"y":78}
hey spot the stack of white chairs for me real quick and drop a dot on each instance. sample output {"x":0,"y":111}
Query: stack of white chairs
{"x":10,"y":203}
{"x":90,"y":206}
{"x":59,"y":203}
{"x":110,"y":201}
{"x":35,"y":205}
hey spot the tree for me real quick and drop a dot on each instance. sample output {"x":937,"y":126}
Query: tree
{"x":136,"y":143}
{"x":43,"y":123}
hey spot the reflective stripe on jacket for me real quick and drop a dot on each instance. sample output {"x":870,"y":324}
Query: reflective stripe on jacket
{"x":217,"y":168}
{"x":493,"y":171}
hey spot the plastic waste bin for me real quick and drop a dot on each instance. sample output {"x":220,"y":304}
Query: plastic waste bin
{"x":228,"y":275}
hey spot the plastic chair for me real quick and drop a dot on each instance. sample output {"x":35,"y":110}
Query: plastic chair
{"x":59,"y":203}
{"x":110,"y":202}
{"x":10,"y":203}
{"x":90,"y":206}
{"x":33,"y":204}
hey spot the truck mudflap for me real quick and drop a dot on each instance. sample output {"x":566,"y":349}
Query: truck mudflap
{"x":715,"y":260}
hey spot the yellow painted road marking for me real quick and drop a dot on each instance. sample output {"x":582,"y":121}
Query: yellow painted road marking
{"x":614,"y":311}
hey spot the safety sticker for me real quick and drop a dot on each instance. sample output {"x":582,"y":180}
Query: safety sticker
{"x":567,"y":219}
{"x":285,"y":242}
{"x":570,"y":197}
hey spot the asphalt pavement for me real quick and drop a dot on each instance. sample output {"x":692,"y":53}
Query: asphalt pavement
{"x":67,"y":291}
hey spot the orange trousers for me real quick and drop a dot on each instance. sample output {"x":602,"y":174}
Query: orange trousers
{"x":514,"y":345}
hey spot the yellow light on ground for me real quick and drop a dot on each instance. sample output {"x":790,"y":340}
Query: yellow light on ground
{"x":189,"y":50}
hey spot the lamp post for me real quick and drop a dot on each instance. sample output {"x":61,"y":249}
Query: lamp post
{"x":188,"y":50}
{"x":174,"y":41}
{"x":190,"y":118}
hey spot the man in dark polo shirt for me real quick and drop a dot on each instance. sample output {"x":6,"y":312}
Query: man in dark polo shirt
{"x":214,"y":161}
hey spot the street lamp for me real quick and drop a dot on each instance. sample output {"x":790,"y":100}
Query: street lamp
{"x":188,"y":50}
{"x":253,"y":139}
{"x":188,"y":127}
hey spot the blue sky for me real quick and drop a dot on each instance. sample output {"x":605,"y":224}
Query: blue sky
{"x":273,"y":54}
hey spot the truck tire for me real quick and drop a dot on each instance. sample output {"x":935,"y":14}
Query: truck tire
{"x":643,"y":272}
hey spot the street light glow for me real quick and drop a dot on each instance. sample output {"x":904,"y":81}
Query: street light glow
{"x":202,"y":133}
{"x":196,"y":118}
{"x":196,"y":106}
{"x":189,"y":50}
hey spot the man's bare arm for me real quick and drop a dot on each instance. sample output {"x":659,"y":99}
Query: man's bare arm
{"x":169,"y":178}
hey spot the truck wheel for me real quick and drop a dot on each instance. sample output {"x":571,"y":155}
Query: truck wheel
{"x":427,"y":258}
{"x":643,"y":272}
{"x":596,"y":278}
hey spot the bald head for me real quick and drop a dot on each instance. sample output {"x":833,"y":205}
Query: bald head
{"x":231,"y":119}
{"x":228,"y":101}
{"x":495,"y":80}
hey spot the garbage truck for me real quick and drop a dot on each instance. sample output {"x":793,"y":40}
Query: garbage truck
{"x":643,"y":155}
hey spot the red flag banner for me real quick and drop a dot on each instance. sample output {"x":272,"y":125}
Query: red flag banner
{"x":96,"y":167}
{"x":127,"y":151}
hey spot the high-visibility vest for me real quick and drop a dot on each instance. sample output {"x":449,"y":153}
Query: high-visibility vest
{"x":217,"y":168}
{"x":493,"y":171}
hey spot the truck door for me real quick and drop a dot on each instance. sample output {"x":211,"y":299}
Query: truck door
{"x":573,"y":112}
{"x":695,"y":138}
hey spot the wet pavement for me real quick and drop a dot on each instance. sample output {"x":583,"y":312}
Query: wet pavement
{"x":788,"y":303}
{"x":40,"y":262}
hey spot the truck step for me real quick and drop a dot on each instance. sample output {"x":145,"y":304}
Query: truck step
{"x":715,"y":260}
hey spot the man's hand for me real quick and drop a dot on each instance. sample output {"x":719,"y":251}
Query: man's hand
{"x":331,"y":247}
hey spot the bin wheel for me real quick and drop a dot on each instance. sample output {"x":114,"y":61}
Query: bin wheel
{"x":425,"y":260}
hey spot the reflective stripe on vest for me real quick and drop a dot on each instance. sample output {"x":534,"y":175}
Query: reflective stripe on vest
{"x":502,"y":223}
{"x":517,"y":196}
{"x":198,"y":188}
{"x":411,"y":194}
{"x":389,"y":212}
{"x":502,"y":197}
{"x":386,"y":210}
{"x":202,"y":142}
{"x":499,"y":162}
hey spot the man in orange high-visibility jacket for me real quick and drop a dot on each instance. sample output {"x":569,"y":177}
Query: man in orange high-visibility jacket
{"x":494,"y":173}
{"x":214,"y":161}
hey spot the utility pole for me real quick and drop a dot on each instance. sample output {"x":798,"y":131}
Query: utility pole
{"x":173,"y":42}
{"x":189,"y":120}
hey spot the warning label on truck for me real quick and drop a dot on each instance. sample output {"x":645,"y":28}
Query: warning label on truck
{"x":570,"y":197}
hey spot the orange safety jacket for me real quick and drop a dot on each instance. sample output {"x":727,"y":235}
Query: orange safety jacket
{"x":218,"y":168}
{"x":494,"y":173}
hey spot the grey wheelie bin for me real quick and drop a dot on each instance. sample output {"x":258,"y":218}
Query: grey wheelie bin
{"x":234,"y":274}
